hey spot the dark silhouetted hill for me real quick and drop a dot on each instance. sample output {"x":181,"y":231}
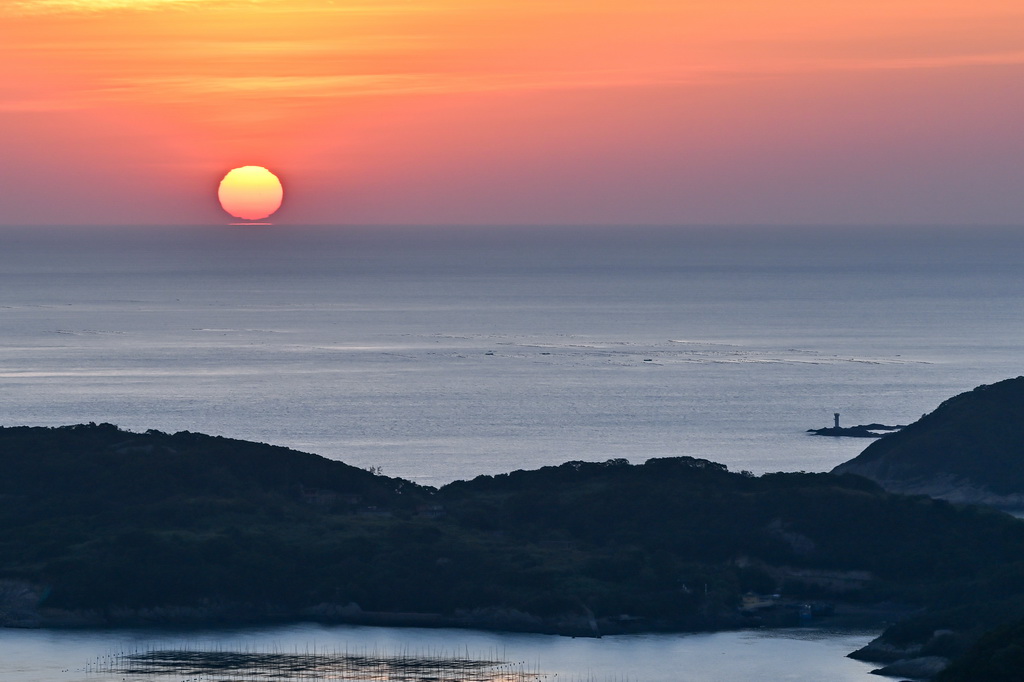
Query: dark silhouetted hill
{"x":998,"y":656}
{"x":970,"y":449}
{"x":99,"y":526}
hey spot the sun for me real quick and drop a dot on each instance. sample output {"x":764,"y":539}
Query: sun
{"x":250,"y":193}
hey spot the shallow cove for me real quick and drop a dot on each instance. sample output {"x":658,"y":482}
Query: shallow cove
{"x":793,"y":654}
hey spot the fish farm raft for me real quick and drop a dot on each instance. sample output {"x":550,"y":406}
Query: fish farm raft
{"x":210,"y":665}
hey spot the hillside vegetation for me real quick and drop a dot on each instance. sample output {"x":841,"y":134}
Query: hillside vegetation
{"x":970,"y":449}
{"x":99,"y":525}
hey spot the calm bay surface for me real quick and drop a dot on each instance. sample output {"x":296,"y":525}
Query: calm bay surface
{"x":796,"y":655}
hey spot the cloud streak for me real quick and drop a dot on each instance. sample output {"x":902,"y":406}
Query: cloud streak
{"x":287,"y":89}
{"x":63,"y":6}
{"x":740,"y":86}
{"x":43,"y":7}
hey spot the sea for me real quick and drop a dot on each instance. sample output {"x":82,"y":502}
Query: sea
{"x":439,"y":353}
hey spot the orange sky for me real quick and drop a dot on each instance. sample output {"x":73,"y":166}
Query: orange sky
{"x":515,"y":111}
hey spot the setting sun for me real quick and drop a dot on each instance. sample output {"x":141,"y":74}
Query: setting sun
{"x":250,"y":193}
{"x":516,"y":111}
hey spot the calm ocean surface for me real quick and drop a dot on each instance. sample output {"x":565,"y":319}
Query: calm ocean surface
{"x":443,"y":353}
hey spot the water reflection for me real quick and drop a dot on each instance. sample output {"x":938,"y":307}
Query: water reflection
{"x":807,"y":654}
{"x":201,"y":665}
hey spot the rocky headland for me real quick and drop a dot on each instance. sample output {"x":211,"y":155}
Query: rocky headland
{"x":969,"y":450}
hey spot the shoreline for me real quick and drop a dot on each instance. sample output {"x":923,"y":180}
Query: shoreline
{"x":845,"y":616}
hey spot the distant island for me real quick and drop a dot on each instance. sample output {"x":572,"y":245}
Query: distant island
{"x":101,"y":526}
{"x":859,"y":431}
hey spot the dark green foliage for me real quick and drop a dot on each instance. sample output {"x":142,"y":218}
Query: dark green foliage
{"x":108,"y":519}
{"x":996,"y":657}
{"x":692,"y":510}
{"x":83,"y":466}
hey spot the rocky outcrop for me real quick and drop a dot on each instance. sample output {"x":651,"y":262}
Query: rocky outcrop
{"x":923,"y":667}
{"x":859,"y":431}
{"x":919,"y":660}
{"x":879,"y":650}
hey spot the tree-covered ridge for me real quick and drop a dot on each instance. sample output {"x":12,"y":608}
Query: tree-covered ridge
{"x":973,"y":442}
{"x":161,"y":526}
{"x":697,"y":510}
{"x":998,"y":656}
{"x":100,"y":462}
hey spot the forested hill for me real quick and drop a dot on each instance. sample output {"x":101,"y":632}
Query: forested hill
{"x":99,"y":525}
{"x":970,"y":449}
{"x":99,"y":466}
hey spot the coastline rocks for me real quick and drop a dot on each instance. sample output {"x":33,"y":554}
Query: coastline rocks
{"x":916,"y":659}
{"x":497,"y":618}
{"x":24,"y":614}
{"x":924,"y":667}
{"x":859,"y":431}
{"x":880,"y":651}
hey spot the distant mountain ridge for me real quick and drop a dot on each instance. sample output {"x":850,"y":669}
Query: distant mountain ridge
{"x":969,"y":450}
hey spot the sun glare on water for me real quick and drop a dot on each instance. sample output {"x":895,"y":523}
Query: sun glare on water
{"x":250,"y":193}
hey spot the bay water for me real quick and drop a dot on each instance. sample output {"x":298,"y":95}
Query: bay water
{"x":795,"y":655}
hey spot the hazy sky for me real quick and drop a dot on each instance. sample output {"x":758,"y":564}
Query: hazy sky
{"x":515,"y":111}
